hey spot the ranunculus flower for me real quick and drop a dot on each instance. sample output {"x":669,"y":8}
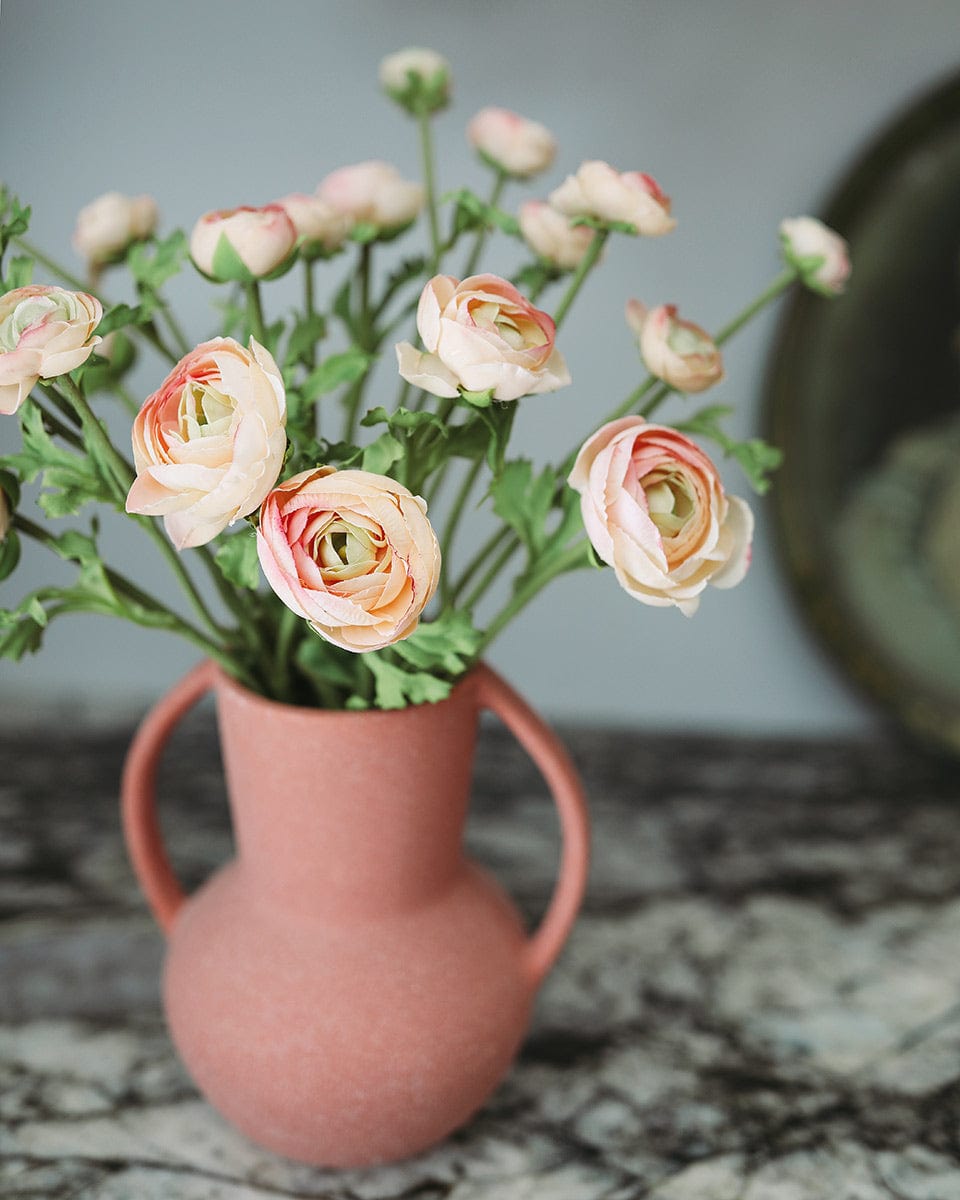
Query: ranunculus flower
{"x":511,"y":143}
{"x":597,"y":190}
{"x":352,"y":553}
{"x":109,"y":224}
{"x":209,"y":445}
{"x":678,"y":352}
{"x":550,"y":235}
{"x":820,"y":255}
{"x":320,"y":226}
{"x":243,"y":244}
{"x":417,"y":78}
{"x":373,"y":193}
{"x":655,"y":510}
{"x":482,"y":334}
{"x":44,"y":332}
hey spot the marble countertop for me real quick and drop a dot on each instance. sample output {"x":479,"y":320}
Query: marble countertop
{"x":761,"y":1000}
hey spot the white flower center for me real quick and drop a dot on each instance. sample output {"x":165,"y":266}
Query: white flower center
{"x":33,"y":310}
{"x":204,"y":412}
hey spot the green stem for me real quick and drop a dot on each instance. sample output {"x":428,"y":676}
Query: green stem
{"x":286,"y":631}
{"x":587,"y":264}
{"x":453,"y":520}
{"x":491,"y":573}
{"x":498,"y":186}
{"x":152,"y":335}
{"x":173,"y":325}
{"x":477,"y":562}
{"x":255,"y":312}
{"x":426,"y":153}
{"x":309,"y":309}
{"x":55,"y":425}
{"x":126,"y":399}
{"x":575,"y":556}
{"x":45,"y":260}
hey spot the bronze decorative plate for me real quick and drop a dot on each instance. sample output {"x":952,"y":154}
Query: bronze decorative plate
{"x":863,"y":396}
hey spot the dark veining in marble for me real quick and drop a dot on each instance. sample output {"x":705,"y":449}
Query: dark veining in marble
{"x":761,"y":999}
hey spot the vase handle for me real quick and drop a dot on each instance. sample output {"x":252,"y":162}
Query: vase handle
{"x":140,"y":826}
{"x":547,"y":752}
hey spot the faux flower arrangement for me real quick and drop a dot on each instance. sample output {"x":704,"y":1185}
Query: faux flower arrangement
{"x":249,"y":453}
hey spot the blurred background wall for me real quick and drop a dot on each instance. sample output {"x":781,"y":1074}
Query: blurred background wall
{"x":745,"y":110}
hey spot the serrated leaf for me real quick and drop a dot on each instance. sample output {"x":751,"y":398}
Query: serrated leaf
{"x":327,"y":662}
{"x":755,"y":457}
{"x":472,"y":212}
{"x":122,"y":315}
{"x":398,"y":688}
{"x":304,"y":336}
{"x":449,"y":643}
{"x":73,"y":477}
{"x":22,"y":637}
{"x":76,"y":546}
{"x":152,"y":264}
{"x":498,"y":422}
{"x":338,"y":369}
{"x":525,"y":502}
{"x":380,"y":455}
{"x":404,"y":420}
{"x":238,"y":561}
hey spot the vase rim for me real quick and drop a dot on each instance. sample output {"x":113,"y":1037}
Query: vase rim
{"x":226,"y":682}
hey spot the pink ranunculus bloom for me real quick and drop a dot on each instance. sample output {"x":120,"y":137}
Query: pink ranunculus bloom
{"x":321,"y":227}
{"x":514,"y":144}
{"x":550,"y":235}
{"x":209,"y":444}
{"x":655,"y":510}
{"x":481,"y":334}
{"x":352,"y":553}
{"x":597,"y":190}
{"x":108,"y":225}
{"x":678,"y":352}
{"x":242,"y":244}
{"x":44,"y":332}
{"x":373,"y":193}
{"x":820,"y":255}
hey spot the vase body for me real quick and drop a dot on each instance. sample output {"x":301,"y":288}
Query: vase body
{"x":350,"y":988}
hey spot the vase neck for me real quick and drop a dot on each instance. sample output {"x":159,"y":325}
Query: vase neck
{"x":348,"y":813}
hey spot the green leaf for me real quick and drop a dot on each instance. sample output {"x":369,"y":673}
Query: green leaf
{"x":398,"y":688}
{"x":614,"y":226}
{"x":525,"y":502}
{"x":327,"y":663}
{"x":20,"y":638}
{"x":450,"y":644}
{"x":14,"y":218}
{"x":9,"y":553}
{"x":341,"y":307}
{"x":364,"y":231}
{"x":498,"y":421}
{"x":122,"y":315}
{"x":10,"y":486}
{"x":338,"y":369}
{"x":409,"y":269}
{"x":153,"y":263}
{"x":306,"y":333}
{"x":73,"y":478}
{"x":477,"y":399}
{"x":238,"y":561}
{"x":227,"y":265}
{"x":402,"y":420}
{"x":472,"y":212}
{"x":380,"y":455}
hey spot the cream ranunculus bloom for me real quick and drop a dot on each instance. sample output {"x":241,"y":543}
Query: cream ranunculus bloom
{"x":44,"y":332}
{"x":417,"y":78}
{"x":597,"y":190}
{"x":321,"y":228}
{"x":373,"y":193}
{"x":108,"y":225}
{"x":209,"y":444}
{"x":512,"y":143}
{"x":243,"y":244}
{"x":655,"y":510}
{"x":352,"y":553}
{"x":482,"y":334}
{"x":676,"y":351}
{"x":550,"y":235}
{"x":820,"y":255}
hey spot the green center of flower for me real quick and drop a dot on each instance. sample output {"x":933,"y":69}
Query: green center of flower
{"x":669,"y":502}
{"x":31,"y":311}
{"x":686,"y":341}
{"x":204,"y":411}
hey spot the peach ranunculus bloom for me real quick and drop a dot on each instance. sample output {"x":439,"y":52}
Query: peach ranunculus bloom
{"x":44,"y":332}
{"x":676,"y":351}
{"x":655,"y":510}
{"x":242,"y":244}
{"x":209,"y":444}
{"x":352,"y":553}
{"x":320,"y":227}
{"x":597,"y":190}
{"x":551,"y":236}
{"x":373,"y":193}
{"x":820,"y":255}
{"x":511,"y":143}
{"x":108,"y":225}
{"x":481,"y":334}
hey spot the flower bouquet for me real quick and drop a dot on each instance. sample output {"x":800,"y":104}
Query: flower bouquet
{"x":325,"y":518}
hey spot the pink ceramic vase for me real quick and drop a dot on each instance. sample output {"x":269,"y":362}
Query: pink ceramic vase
{"x":351,"y":987}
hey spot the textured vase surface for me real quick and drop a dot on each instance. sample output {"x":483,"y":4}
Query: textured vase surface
{"x":351,"y":987}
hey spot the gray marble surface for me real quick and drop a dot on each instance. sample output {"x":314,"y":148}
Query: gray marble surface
{"x":761,"y":1000}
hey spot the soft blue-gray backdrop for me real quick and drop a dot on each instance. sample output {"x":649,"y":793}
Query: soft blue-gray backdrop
{"x":745,"y":110}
